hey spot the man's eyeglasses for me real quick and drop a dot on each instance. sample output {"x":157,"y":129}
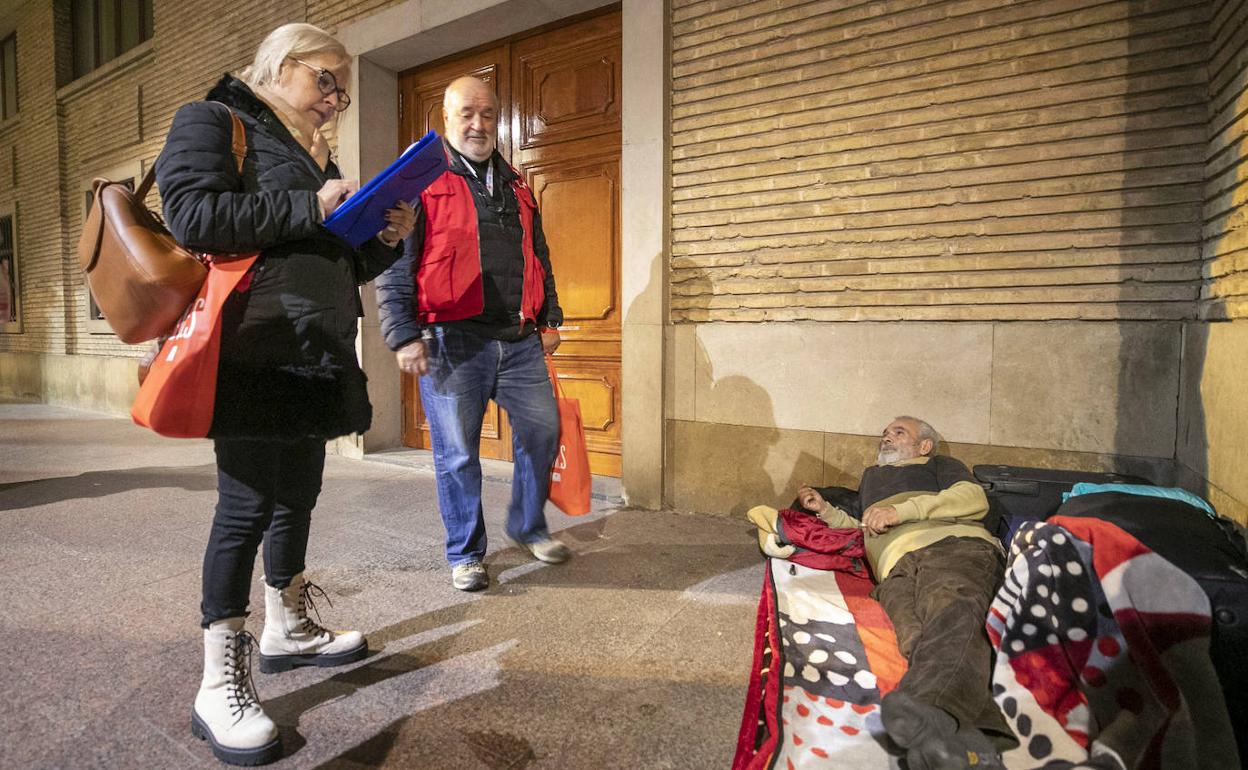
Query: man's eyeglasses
{"x":328,"y":84}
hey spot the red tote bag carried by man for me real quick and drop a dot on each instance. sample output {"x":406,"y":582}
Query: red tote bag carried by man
{"x":569,"y":477}
{"x":179,"y":393}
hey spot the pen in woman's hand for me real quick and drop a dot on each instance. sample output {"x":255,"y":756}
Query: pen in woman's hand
{"x":334,"y":192}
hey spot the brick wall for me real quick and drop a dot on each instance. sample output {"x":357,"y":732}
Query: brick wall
{"x":966,"y":160}
{"x":29,"y":142}
{"x":939,"y":161}
{"x":330,"y":14}
{"x":126,"y":118}
{"x":1226,"y":168}
{"x":114,"y":117}
{"x":1210,"y":452}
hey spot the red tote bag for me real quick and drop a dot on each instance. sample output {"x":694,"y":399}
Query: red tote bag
{"x":569,"y":477}
{"x":180,"y":391}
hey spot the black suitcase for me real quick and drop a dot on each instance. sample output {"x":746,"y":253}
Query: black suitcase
{"x":1212,"y":552}
{"x":1016,"y":495}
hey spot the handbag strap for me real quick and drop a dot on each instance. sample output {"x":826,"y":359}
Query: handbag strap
{"x":554,"y":376}
{"x":238,"y":148}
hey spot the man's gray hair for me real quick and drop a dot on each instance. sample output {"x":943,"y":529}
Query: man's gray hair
{"x":926,"y":431}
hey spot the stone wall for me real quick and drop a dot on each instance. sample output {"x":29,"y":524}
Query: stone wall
{"x":1212,"y":453}
{"x":1225,"y":246}
{"x":30,"y":156}
{"x":847,"y":178}
{"x":110,"y":122}
{"x":973,"y":160}
{"x":1014,"y":219}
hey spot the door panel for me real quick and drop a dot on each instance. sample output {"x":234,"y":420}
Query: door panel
{"x":560,"y":127}
{"x":596,"y":384}
{"x":567,"y":92}
{"x":579,"y":218}
{"x":421,"y":100}
{"x":566,"y":122}
{"x":579,"y":204}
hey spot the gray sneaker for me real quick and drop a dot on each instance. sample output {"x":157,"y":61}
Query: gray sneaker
{"x":469,"y":576}
{"x":549,"y":550}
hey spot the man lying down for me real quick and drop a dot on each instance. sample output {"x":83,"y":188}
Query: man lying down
{"x":937,"y":569}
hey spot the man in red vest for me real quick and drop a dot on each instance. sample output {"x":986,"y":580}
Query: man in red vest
{"x":471,"y":308}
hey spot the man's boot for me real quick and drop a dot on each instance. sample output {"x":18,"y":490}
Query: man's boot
{"x":227,"y":712}
{"x":932,"y":738}
{"x":293,"y":639}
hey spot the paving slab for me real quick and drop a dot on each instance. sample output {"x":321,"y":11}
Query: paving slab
{"x":633,"y":655}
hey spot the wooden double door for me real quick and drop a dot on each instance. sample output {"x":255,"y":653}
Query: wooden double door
{"x":559,"y":126}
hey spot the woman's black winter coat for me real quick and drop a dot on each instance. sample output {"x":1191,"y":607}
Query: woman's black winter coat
{"x":288,"y":364}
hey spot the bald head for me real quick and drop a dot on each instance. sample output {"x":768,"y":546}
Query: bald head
{"x":467,"y":87}
{"x":470,"y":111}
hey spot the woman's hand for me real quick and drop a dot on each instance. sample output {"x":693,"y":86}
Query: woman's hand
{"x":333,"y":193}
{"x":401,"y":219}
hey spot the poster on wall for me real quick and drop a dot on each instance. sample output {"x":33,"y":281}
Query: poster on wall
{"x":10,"y":298}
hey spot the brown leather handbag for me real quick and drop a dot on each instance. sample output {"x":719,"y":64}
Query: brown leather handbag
{"x":141,"y":278}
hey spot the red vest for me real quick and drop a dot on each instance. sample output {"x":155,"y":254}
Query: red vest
{"x":448,"y":281}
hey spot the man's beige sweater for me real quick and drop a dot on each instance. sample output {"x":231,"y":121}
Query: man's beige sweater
{"x":924,"y":519}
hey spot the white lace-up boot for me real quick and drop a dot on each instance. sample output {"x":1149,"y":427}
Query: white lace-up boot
{"x":293,"y":639}
{"x":227,"y":712}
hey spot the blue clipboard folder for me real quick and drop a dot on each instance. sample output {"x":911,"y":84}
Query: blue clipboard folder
{"x":363,"y":215}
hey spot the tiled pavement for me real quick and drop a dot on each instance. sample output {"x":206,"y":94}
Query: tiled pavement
{"x":633,"y":655}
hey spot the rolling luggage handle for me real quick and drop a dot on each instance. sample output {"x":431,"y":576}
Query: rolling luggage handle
{"x":1017,"y":494}
{"x":1012,"y":487}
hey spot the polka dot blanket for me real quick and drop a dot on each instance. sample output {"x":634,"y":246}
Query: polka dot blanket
{"x":814,"y":698}
{"x":1103,"y":654}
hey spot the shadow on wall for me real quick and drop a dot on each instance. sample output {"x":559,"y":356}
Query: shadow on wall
{"x":726,"y":468}
{"x":1210,"y":454}
{"x":721,"y":467}
{"x":741,"y":459}
{"x":1160,"y":207}
{"x":1192,"y":443}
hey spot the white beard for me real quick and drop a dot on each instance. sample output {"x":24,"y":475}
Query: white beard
{"x":889,"y":456}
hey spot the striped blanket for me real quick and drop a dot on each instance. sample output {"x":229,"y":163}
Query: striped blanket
{"x":1102,"y":661}
{"x":814,"y":698}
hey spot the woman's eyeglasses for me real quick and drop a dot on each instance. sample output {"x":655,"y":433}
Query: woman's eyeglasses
{"x":328,"y":84}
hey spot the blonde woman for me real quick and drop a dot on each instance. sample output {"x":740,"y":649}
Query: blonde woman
{"x":288,"y":379}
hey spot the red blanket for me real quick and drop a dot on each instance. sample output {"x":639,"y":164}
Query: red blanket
{"x":1103,"y":654}
{"x":813,"y":699}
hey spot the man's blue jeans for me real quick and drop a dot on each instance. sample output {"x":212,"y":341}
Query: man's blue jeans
{"x":465,"y":372}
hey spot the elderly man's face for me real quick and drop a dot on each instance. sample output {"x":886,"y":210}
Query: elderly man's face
{"x":900,"y":441}
{"x":471,"y":113}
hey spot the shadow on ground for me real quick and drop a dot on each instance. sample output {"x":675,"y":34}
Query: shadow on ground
{"x":37,"y":492}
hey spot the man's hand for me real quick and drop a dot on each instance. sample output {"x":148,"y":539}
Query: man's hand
{"x":550,"y":340}
{"x":400,"y":221}
{"x":412,"y":358}
{"x":879,"y":519}
{"x":333,"y":193}
{"x":812,"y":500}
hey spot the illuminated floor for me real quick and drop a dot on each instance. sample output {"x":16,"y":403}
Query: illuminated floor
{"x":633,"y":655}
